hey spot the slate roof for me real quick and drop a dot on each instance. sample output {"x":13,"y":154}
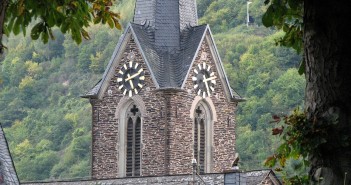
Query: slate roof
{"x":94,"y":91}
{"x":256,"y":177}
{"x":169,"y":67}
{"x":157,"y":12}
{"x":7,"y":169}
{"x":169,"y":38}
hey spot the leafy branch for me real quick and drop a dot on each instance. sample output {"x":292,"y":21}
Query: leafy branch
{"x":300,"y":140}
{"x":287,"y":15}
{"x":71,"y":16}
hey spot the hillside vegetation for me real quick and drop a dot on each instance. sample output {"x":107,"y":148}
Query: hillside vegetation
{"x":48,"y":125}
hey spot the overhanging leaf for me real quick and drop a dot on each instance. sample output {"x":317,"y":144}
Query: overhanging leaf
{"x":36,"y":30}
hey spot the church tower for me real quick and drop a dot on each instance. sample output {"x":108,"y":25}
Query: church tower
{"x":164,"y":98}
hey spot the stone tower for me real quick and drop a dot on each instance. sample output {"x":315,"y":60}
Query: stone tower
{"x":164,"y":98}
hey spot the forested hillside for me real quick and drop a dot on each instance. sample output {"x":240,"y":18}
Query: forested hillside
{"x":48,"y":125}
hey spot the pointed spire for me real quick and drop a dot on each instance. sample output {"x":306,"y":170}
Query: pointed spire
{"x":168,"y":17}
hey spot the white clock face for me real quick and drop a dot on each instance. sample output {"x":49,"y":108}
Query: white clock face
{"x":204,"y":80}
{"x":130,"y":78}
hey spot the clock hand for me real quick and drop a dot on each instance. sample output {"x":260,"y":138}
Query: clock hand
{"x":130,"y":82}
{"x":205,"y":81}
{"x":136,"y":74}
{"x":208,"y":79}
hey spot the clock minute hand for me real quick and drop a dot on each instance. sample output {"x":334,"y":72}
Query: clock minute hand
{"x":136,"y":74}
{"x":205,"y":81}
{"x":130,"y":82}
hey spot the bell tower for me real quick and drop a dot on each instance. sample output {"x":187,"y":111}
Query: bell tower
{"x":164,"y":98}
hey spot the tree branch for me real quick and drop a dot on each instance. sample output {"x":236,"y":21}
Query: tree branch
{"x":3,"y":6}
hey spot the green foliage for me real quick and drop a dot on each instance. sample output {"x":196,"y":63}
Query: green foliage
{"x":265,"y":75}
{"x":222,"y":15}
{"x":302,"y":139}
{"x":202,"y":6}
{"x":47,"y":123}
{"x":70,"y":16}
{"x":286,"y":15}
{"x":299,"y":139}
{"x":253,"y":146}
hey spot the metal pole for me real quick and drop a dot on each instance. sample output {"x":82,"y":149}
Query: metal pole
{"x":247,"y":13}
{"x":194,"y":170}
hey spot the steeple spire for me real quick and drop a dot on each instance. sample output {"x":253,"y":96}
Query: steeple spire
{"x":168,"y":18}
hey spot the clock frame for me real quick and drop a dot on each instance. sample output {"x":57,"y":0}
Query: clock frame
{"x":130,"y":78}
{"x":204,"y":80}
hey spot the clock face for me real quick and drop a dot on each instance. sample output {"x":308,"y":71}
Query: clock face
{"x":130,"y":78}
{"x":204,"y":80}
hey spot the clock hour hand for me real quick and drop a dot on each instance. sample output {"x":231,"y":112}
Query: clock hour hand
{"x":208,"y":79}
{"x":130,"y":82}
{"x":136,"y":74}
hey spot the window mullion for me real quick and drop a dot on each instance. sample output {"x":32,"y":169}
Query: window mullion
{"x":134,"y":125}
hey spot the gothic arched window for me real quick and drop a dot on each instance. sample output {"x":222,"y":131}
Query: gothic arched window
{"x":133,"y":141}
{"x":201,"y":142}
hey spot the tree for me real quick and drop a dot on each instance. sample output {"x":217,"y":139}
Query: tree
{"x":320,"y":28}
{"x":70,"y":16}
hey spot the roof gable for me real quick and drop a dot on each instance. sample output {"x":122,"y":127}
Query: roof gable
{"x":168,"y":68}
{"x":98,"y":90}
{"x":207,"y":37}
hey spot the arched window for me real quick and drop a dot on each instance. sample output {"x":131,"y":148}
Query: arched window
{"x":130,"y":136}
{"x":202,"y":138}
{"x":133,"y":140}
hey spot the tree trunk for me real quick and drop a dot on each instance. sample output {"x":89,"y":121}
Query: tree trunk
{"x":3,"y":6}
{"x":328,"y":77}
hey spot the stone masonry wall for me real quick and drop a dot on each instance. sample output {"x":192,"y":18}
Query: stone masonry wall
{"x":167,"y":128}
{"x":181,"y":125}
{"x":210,"y":179}
{"x":105,"y":126}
